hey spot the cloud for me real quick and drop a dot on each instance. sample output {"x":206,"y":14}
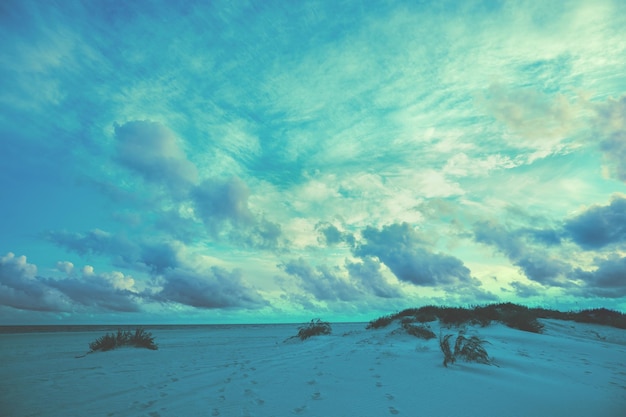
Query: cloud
{"x":530,"y":113}
{"x":109,"y":292}
{"x":20,"y":288}
{"x":599,"y":226}
{"x":152,"y":150}
{"x":223,"y":207}
{"x":212,"y":288}
{"x":154,"y":256}
{"x":607,"y":280}
{"x":93,"y":242}
{"x":331,"y":235}
{"x":525,"y":291}
{"x":160,"y":256}
{"x":399,"y":247}
{"x":322,"y":282}
{"x":536,"y":264}
{"x":217,"y":201}
{"x":65,"y":266}
{"x":611,"y":124}
{"x":368,"y":274}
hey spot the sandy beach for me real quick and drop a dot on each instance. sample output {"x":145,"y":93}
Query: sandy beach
{"x":572,"y":369}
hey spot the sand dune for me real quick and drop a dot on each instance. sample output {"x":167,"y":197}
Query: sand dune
{"x":571,"y":369}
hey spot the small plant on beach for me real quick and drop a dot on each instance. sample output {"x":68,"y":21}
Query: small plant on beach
{"x":138,"y":338}
{"x":314,"y":328}
{"x":469,"y":349}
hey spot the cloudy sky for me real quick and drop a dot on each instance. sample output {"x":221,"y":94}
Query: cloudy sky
{"x":275,"y":161}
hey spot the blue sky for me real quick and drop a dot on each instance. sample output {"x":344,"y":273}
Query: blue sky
{"x":277,"y":161}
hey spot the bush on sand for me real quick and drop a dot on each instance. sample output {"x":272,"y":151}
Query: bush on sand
{"x":469,"y":349}
{"x":315,"y":327}
{"x":139,"y":338}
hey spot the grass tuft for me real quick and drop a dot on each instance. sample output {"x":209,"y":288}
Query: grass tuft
{"x":139,"y":338}
{"x":315,"y":327}
{"x":469,"y":349}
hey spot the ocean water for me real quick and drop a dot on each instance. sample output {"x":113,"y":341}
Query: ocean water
{"x":107,"y":328}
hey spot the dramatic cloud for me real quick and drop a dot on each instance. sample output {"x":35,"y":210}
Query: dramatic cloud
{"x":330,"y":151}
{"x":607,"y":280}
{"x":20,"y":288}
{"x":599,"y":226}
{"x":322,"y":282}
{"x":368,"y":274}
{"x":153,"y":151}
{"x":218,"y":200}
{"x":222,"y":205}
{"x":94,"y":242}
{"x":400,"y":248}
{"x":208,"y":289}
{"x":331,"y":235}
{"x":536,"y":263}
{"x":102,"y":292}
{"x":611,"y":123}
{"x":155,"y":256}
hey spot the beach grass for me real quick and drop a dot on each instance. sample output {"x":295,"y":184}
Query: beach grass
{"x":139,"y":338}
{"x":512,"y":315}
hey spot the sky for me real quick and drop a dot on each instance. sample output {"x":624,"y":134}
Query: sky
{"x":276,"y":161}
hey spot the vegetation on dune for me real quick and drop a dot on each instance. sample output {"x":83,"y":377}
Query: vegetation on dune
{"x":139,"y":338}
{"x":469,"y":349}
{"x":420,"y":330}
{"x":315,"y":327}
{"x":512,"y":315}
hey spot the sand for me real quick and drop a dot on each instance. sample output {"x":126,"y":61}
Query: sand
{"x":570,"y":370}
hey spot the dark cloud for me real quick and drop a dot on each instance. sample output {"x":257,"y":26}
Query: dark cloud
{"x":368,"y":274}
{"x":331,"y":235}
{"x":548,"y":237}
{"x":525,"y":291}
{"x":151,"y":150}
{"x":399,"y":247}
{"x":607,"y":280}
{"x":599,"y":226}
{"x":222,"y":205}
{"x":21,"y":289}
{"x":536,"y":264}
{"x":98,"y":291}
{"x":218,"y":200}
{"x":322,"y":282}
{"x":211,"y":289}
{"x":94,"y":242}
{"x":160,"y":256}
{"x":154,"y":256}
{"x":611,"y":125}
{"x":541,"y":268}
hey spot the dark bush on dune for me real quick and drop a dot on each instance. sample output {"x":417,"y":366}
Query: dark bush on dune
{"x":469,"y":349}
{"x":139,"y":338}
{"x":420,"y":331}
{"x":383,"y":321}
{"x":315,"y":328}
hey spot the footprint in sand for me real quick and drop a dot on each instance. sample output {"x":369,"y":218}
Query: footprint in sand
{"x":316,"y":396}
{"x":389,"y":397}
{"x":215,"y":412}
{"x":393,"y":411}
